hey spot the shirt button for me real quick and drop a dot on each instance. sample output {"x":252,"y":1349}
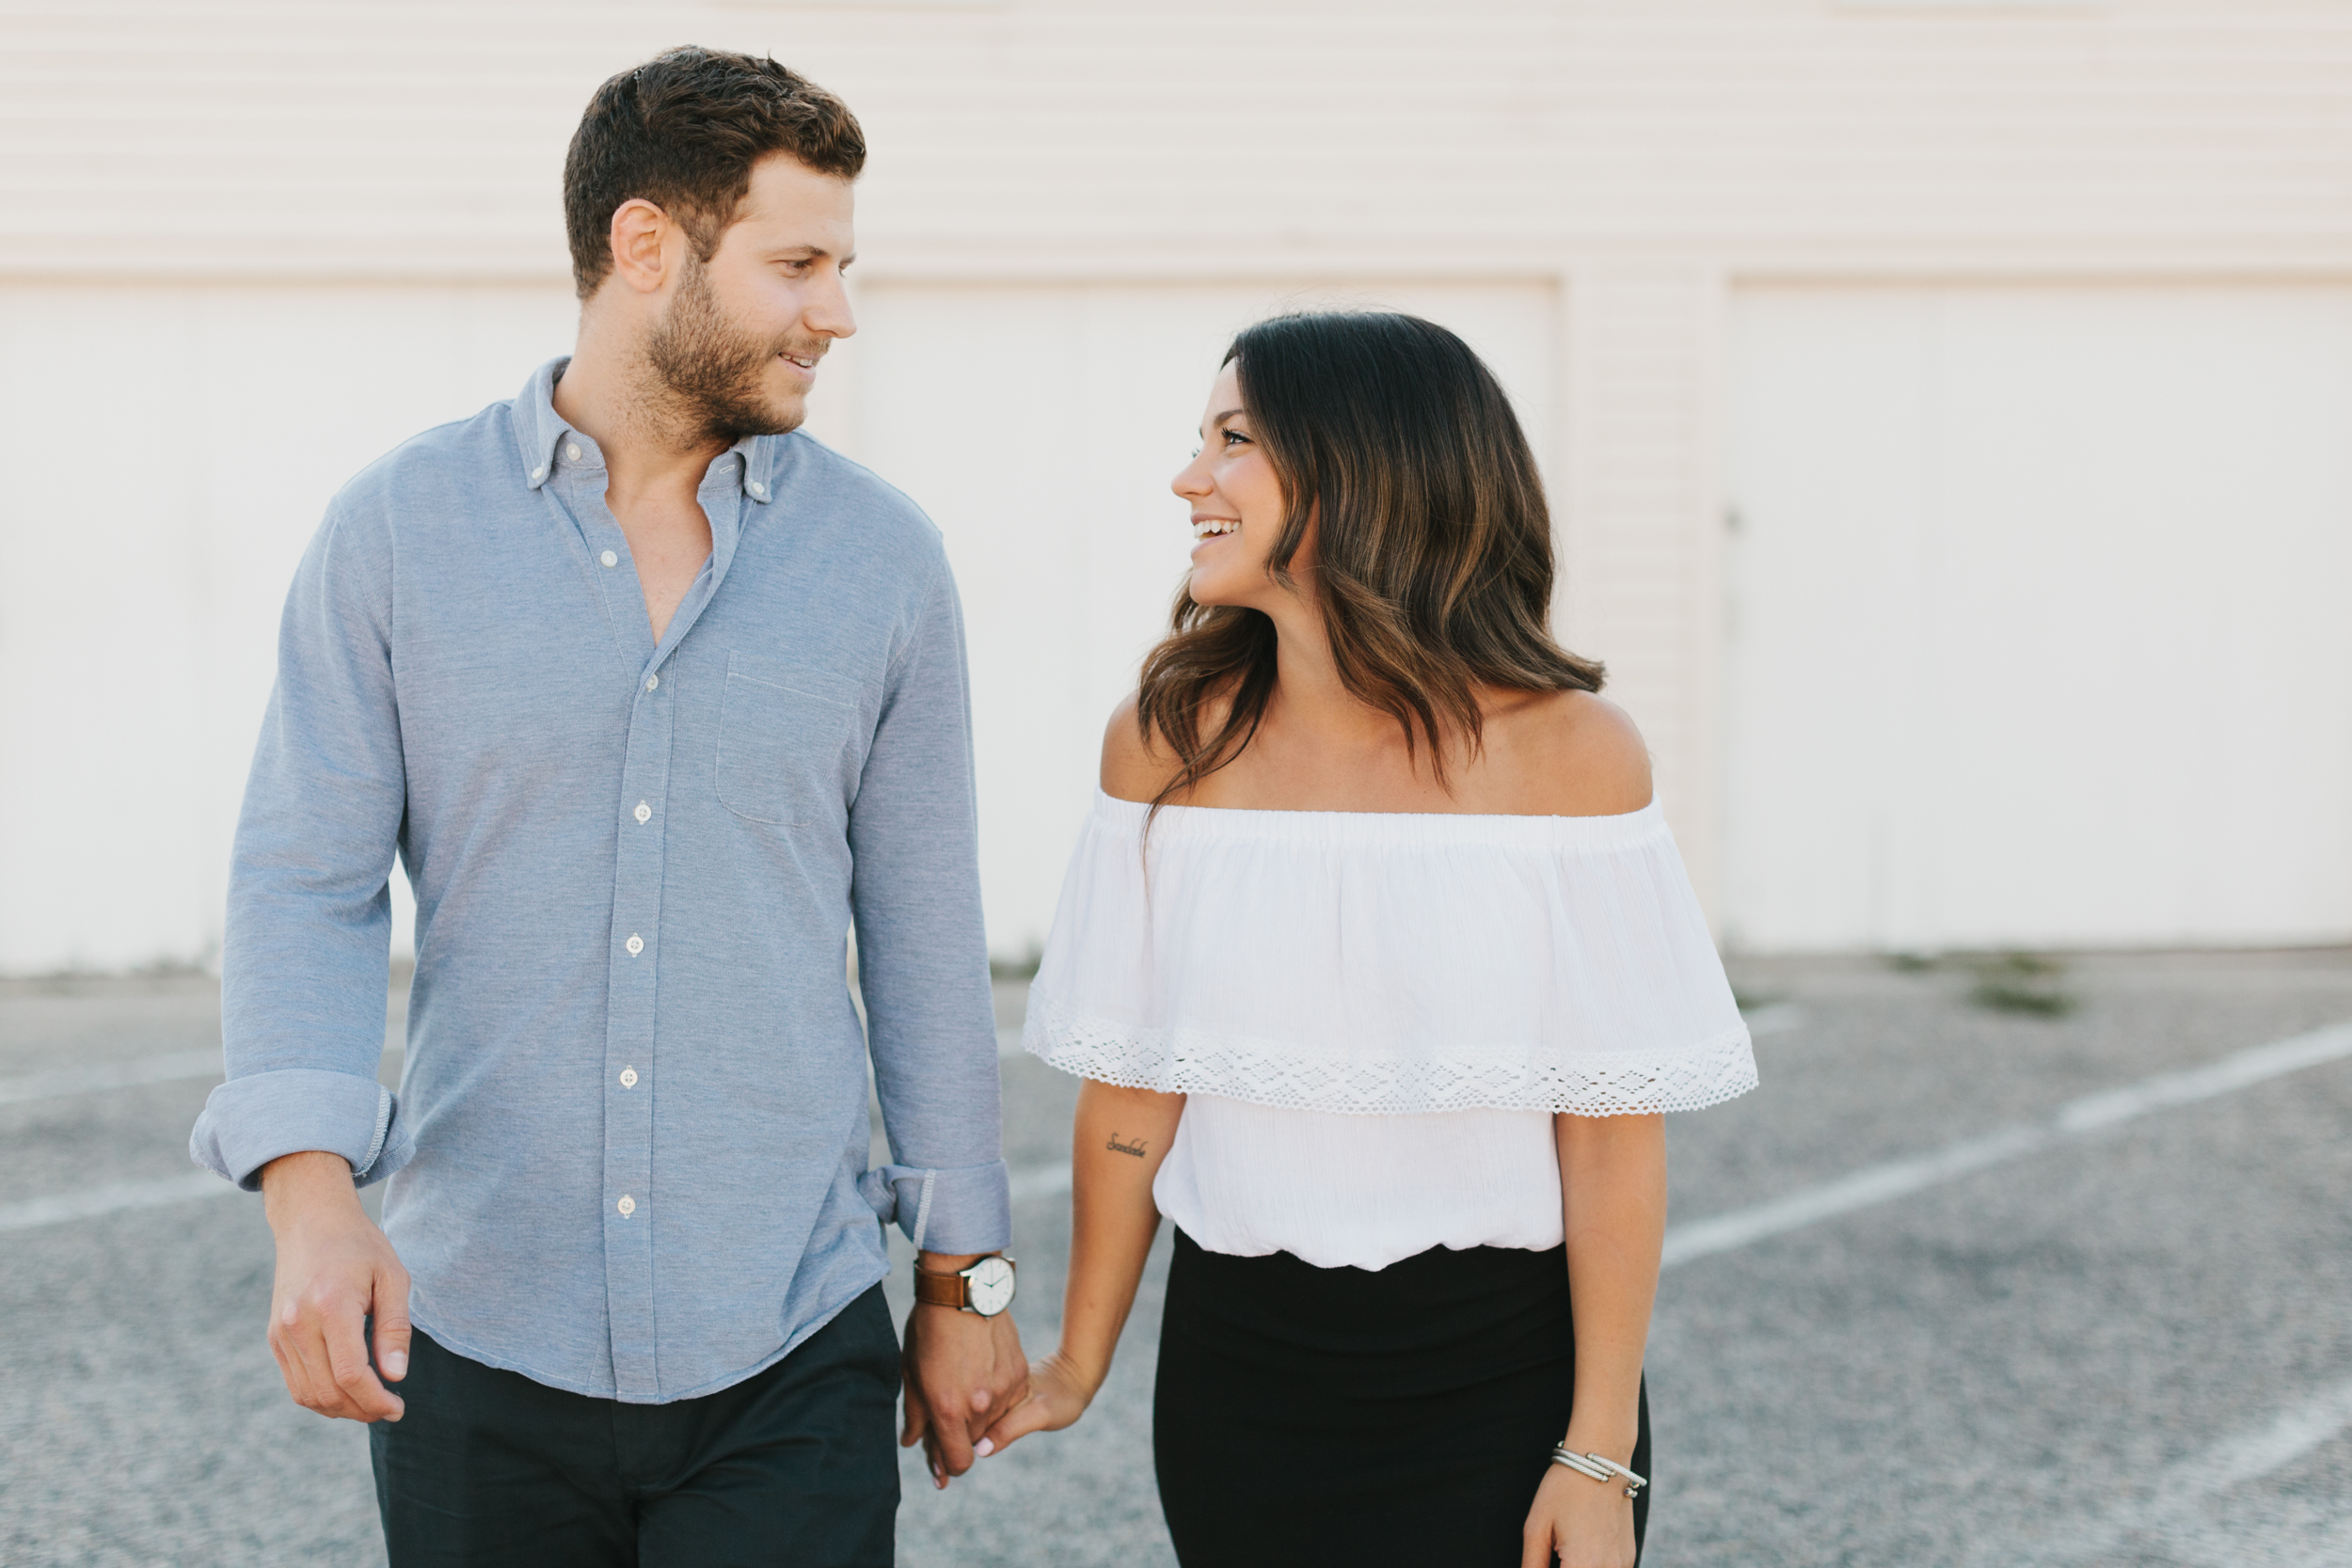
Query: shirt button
{"x":609,"y":559}
{"x":629,"y":1078}
{"x":652,"y":681}
{"x":572,"y":451}
{"x":627,"y":1206}
{"x":538,"y":474}
{"x":635,"y":944}
{"x":644,"y":812}
{"x":756,"y":488}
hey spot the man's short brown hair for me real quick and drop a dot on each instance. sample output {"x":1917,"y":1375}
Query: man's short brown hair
{"x":682,"y":131}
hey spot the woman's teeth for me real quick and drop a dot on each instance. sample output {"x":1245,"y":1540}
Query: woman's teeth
{"x":1210,"y":527}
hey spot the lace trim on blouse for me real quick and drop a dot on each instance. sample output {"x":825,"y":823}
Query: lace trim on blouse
{"x":1385,"y":962}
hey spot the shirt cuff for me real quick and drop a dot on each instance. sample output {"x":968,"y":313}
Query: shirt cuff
{"x":962,"y":1209}
{"x":249,"y":1121}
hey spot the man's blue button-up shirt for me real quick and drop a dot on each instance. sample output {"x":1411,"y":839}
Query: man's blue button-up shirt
{"x":628,"y":1152}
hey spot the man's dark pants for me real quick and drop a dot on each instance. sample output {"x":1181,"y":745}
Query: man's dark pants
{"x":796,"y":1466}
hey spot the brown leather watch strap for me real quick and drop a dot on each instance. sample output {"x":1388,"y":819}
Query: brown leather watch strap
{"x":941,"y":1290}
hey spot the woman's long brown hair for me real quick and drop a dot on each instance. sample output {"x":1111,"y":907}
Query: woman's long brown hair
{"x":1432,"y":542}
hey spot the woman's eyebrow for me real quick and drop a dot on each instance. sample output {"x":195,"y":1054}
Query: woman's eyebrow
{"x":1229,"y":414}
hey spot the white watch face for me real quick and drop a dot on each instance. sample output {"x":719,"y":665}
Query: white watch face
{"x":990,"y":1281}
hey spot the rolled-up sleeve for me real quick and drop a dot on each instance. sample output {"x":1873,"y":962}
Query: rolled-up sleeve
{"x":306,"y":956}
{"x":923,"y":952}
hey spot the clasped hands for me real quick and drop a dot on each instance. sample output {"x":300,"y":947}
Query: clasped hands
{"x":956,"y":1361}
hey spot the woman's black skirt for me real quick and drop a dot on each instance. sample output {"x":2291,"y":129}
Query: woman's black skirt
{"x":1403,"y":1415}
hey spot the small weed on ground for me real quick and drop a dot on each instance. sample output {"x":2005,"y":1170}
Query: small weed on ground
{"x":2022,"y":983}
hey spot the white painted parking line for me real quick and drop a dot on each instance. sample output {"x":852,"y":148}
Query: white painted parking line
{"x":98,"y":1076}
{"x":1873,"y":1185}
{"x":2173,"y":1515}
{"x":2093,"y":1113}
{"x":2277,"y":1446}
{"x":92,"y":1202}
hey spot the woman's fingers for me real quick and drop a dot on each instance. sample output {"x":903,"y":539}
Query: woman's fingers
{"x":1052,"y":1403}
{"x":1030,"y":1414}
{"x":935,"y":1460}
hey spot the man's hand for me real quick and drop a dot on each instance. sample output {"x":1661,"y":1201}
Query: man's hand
{"x":335,"y":1269}
{"x":961,"y":1369}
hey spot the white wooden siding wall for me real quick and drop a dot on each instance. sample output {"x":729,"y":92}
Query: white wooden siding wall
{"x":389,"y":157}
{"x":1639,"y":541}
{"x":169,"y":451}
{"x":423,"y":137}
{"x":2041,"y":617}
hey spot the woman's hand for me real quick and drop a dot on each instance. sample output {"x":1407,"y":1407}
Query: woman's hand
{"x":1059,"y":1395}
{"x":1584,"y":1523}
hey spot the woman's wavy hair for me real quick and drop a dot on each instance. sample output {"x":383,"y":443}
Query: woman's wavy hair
{"x":1433,"y":544}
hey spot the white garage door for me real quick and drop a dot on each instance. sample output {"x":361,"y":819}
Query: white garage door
{"x":2042,"y":618}
{"x":169,"y":453}
{"x":1039,"y":428}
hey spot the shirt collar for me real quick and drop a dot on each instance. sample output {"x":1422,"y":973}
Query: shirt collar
{"x":539,"y":431}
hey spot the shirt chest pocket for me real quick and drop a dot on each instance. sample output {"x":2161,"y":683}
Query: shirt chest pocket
{"x":790,"y":739}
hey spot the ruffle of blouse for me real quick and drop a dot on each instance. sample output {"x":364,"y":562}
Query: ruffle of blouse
{"x":1376,"y":963}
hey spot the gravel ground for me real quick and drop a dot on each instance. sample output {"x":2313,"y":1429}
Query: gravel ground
{"x":2133,"y":1347}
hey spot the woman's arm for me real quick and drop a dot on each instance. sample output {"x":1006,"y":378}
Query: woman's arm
{"x":1120,"y":1136}
{"x":1613,"y":1186}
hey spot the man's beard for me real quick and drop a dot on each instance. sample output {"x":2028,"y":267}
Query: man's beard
{"x":711,"y":370}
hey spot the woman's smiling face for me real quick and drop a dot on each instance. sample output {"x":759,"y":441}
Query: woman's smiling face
{"x":1237,"y":504}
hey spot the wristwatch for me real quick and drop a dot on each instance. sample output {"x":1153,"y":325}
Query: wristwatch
{"x":985,"y":1288}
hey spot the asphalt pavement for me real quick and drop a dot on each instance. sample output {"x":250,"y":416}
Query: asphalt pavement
{"x":2003,"y":1265}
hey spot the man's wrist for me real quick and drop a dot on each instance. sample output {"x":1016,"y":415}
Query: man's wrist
{"x":980,"y":1283}
{"x":950,"y":1263}
{"x":301,"y":1183}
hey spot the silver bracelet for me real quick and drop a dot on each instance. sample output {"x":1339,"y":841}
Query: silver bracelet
{"x":1598,"y":1468}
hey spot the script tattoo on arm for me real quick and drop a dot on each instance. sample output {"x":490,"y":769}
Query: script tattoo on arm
{"x":1135,"y":1148}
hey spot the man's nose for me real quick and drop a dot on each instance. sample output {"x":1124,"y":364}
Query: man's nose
{"x":829,"y":314}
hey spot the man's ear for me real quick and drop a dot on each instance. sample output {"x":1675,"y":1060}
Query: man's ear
{"x":640,"y":238}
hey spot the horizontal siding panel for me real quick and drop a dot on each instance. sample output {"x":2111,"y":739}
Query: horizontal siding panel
{"x":400,"y":132}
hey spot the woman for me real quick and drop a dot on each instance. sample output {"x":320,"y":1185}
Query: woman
{"x":1380,"y":966}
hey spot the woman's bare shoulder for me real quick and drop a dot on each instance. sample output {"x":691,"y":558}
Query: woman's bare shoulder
{"x":1135,"y":766}
{"x":1582,"y":756}
{"x":1138,"y":761}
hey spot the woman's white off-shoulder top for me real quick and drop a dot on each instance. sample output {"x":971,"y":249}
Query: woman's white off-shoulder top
{"x":1375,"y":1015}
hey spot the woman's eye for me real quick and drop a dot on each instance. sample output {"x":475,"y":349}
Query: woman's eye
{"x":1233,"y":436}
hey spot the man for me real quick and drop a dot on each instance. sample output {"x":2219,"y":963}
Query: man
{"x":656,"y":699}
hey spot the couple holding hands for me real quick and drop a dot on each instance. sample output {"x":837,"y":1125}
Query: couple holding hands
{"x":1374,"y":954}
